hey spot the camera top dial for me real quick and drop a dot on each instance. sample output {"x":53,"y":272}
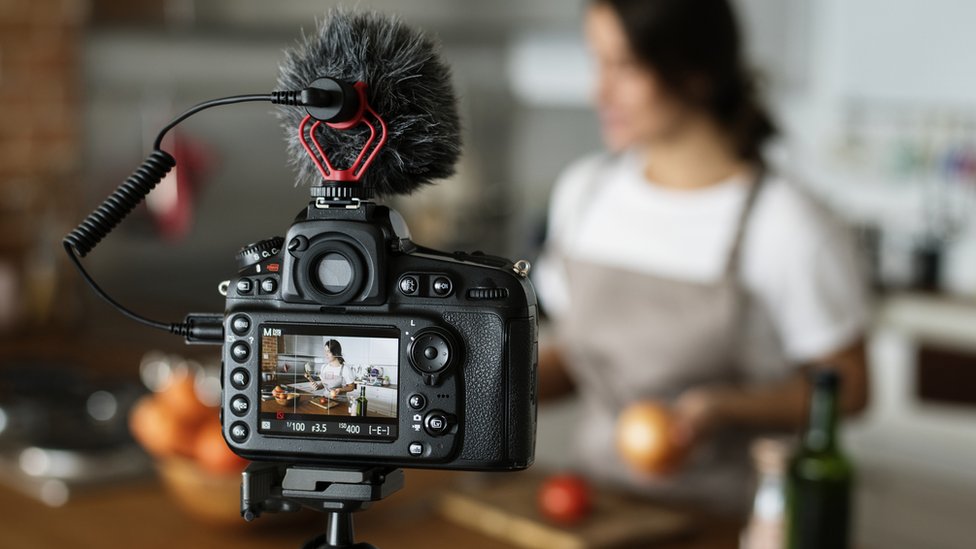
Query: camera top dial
{"x":256,"y":252}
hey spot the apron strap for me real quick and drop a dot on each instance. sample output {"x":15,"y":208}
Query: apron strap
{"x":732,"y":266}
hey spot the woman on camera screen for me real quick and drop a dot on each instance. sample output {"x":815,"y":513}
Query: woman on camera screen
{"x":680,"y":269}
{"x":333,"y":373}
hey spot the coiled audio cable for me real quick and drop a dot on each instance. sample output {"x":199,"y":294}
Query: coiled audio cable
{"x":103,"y":220}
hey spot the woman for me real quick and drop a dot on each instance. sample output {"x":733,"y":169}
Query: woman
{"x":333,"y":373}
{"x":679,"y":269}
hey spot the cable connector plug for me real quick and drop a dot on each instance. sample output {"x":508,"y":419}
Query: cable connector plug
{"x":202,"y":329}
{"x":325,"y":99}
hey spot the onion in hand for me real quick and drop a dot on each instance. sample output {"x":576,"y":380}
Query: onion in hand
{"x":646,"y":439}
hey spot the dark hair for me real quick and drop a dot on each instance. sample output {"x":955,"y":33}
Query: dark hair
{"x":336,"y":350}
{"x":695,"y":48}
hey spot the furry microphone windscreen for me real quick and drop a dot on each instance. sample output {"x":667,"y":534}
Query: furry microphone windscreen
{"x":407,"y":85}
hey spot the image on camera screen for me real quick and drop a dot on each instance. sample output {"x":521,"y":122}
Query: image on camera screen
{"x":329,"y":382}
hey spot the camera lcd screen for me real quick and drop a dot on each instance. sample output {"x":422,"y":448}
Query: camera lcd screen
{"x":329,"y":382}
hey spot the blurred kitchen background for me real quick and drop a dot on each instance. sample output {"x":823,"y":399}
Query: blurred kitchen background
{"x":877,"y":99}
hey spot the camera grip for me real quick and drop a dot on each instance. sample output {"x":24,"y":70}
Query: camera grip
{"x":484,"y":382}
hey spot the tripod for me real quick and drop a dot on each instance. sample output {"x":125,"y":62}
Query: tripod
{"x":274,"y":488}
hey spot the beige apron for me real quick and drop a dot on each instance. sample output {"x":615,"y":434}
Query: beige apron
{"x":332,"y":376}
{"x":632,"y":336}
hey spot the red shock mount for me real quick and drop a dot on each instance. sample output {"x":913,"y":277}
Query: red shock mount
{"x":373,"y":145}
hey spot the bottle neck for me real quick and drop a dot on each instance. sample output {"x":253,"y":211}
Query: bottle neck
{"x":821,"y":433}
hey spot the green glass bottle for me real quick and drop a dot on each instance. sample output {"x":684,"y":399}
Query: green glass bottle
{"x":820,"y":476}
{"x":361,"y":402}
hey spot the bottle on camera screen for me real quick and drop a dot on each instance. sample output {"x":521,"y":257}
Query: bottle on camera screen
{"x":361,"y":402}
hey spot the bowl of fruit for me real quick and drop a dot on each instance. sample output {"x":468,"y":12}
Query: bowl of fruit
{"x":282,"y":396}
{"x":178,"y":424}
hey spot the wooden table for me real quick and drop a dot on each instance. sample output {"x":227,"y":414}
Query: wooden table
{"x":143,"y":516}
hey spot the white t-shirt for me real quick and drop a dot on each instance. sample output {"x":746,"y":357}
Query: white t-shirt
{"x":334,"y":377}
{"x":799,"y":264}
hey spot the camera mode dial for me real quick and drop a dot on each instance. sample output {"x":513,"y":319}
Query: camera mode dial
{"x":255,"y":253}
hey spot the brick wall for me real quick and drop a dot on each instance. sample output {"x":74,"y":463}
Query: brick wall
{"x":40,"y":131}
{"x":269,"y":357}
{"x":39,"y":87}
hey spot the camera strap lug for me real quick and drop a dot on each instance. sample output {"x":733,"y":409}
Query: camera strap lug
{"x":522,"y":268}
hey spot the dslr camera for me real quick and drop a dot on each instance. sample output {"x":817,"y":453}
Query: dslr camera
{"x":347,"y":343}
{"x":344,"y":343}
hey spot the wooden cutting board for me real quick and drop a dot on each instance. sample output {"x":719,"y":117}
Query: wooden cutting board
{"x":504,"y":506}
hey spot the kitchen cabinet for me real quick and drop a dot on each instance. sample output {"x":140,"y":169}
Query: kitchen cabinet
{"x":382,"y":400}
{"x":915,"y":454}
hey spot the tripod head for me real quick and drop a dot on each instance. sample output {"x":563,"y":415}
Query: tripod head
{"x":272,"y":487}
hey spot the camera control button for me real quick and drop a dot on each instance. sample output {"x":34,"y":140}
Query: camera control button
{"x":417,"y":401}
{"x":240,"y":351}
{"x":240,"y":324}
{"x":430,"y":352}
{"x":409,"y":285}
{"x":442,"y":286}
{"x":269,"y":285}
{"x":244,"y":286}
{"x":416,"y":448}
{"x":239,"y":405}
{"x":436,"y":423}
{"x":239,"y":378}
{"x":239,"y":432}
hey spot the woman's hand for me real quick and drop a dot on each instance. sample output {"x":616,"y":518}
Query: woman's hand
{"x":656,"y":439}
{"x":554,"y":381}
{"x":695,"y":415}
{"x":333,"y":393}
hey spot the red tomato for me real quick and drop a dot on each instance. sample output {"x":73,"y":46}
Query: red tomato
{"x":565,"y":499}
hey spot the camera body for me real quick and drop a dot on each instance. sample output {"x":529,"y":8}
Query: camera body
{"x":348,"y":344}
